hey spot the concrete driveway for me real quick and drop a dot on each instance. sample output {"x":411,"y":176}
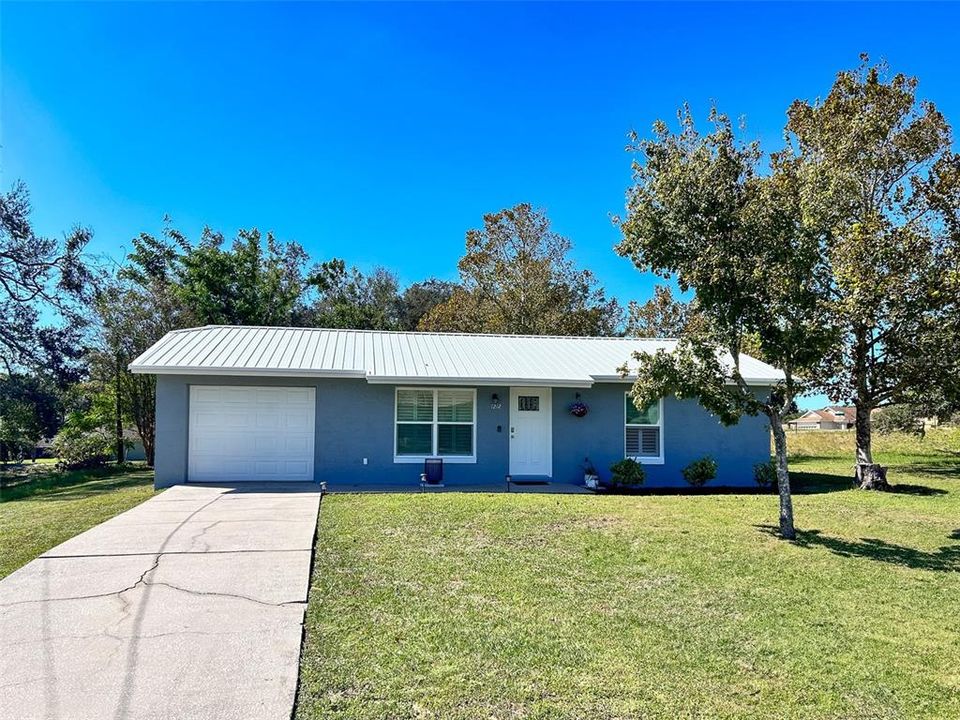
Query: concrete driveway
{"x":188,"y":606}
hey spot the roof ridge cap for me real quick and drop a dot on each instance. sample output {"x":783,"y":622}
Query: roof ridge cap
{"x":212,"y":326}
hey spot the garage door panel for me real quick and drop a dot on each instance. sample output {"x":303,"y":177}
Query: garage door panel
{"x":270,"y":444}
{"x":296,"y":445}
{"x":207,"y":419}
{"x":251,"y":434}
{"x":234,"y":418}
{"x":271,"y":395}
{"x":297,"y":419}
{"x":269,"y":420}
{"x":206,"y":395}
{"x":296,"y":468}
{"x":207,"y":468}
{"x":272,"y":468}
{"x":302,"y":396}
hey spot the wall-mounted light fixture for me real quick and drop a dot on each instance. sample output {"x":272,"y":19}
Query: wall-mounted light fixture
{"x":495,"y":402}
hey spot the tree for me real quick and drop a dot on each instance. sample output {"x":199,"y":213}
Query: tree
{"x":700,"y":211}
{"x":131,"y":318}
{"x":880,"y":187}
{"x":30,"y":410}
{"x":350,"y":299}
{"x":256,"y":281}
{"x":899,"y":418}
{"x":136,"y":307}
{"x":39,"y":278}
{"x":661,"y":316}
{"x":85,"y":437}
{"x":517,"y":277}
{"x":422,"y":297}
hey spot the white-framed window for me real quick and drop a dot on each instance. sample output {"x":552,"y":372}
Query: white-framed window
{"x":643,"y":432}
{"x":435,"y":422}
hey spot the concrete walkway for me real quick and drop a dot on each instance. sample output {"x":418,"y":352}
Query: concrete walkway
{"x":188,"y":606}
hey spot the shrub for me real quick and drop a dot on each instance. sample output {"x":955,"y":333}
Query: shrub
{"x":77,"y":448}
{"x":699,"y":472}
{"x":898,"y":418}
{"x":765,"y":474}
{"x":627,"y":473}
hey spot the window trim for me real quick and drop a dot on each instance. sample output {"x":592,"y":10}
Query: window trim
{"x":643,"y":459}
{"x":434,"y":427}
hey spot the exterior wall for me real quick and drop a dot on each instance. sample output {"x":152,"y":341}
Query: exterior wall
{"x":355,"y":421}
{"x":136,"y":451}
{"x":816,"y":425}
{"x":688,"y":433}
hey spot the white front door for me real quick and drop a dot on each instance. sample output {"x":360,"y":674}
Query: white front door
{"x":531,"y":444}
{"x":241,"y":433}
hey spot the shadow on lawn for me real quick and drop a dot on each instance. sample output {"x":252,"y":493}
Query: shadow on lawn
{"x":807,"y":483}
{"x":944,"y":470}
{"x":944,"y":559}
{"x":77,"y":484}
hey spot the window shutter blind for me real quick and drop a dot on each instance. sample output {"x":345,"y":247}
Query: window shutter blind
{"x":643,"y":442}
{"x":415,"y":406}
{"x":650,"y":442}
{"x":455,"y":406}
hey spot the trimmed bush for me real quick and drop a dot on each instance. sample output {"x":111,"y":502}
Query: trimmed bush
{"x":627,"y":473}
{"x":700,"y":472}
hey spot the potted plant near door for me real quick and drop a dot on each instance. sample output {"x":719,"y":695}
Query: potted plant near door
{"x":591,"y":477}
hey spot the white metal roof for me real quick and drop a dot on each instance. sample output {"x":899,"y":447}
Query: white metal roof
{"x":404,"y":357}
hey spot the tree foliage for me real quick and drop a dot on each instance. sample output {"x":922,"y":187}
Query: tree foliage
{"x":30,"y":410}
{"x":130,"y":318}
{"x":41,"y":281}
{"x":898,"y":418}
{"x":85,"y":439}
{"x":257,"y":280}
{"x":880,"y":188}
{"x":662,"y":316}
{"x":420,"y":298}
{"x":516,"y":277}
{"x":700,"y":211}
{"x":347,"y":298}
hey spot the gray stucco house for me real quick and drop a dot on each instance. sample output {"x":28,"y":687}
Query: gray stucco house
{"x":356,"y":408}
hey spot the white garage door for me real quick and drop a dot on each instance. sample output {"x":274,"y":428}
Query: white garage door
{"x":251,"y":434}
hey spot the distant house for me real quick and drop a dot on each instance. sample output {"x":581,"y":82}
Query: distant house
{"x":134,"y":449}
{"x":366,"y":408}
{"x":834,"y":417}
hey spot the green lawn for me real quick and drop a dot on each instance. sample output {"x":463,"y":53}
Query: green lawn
{"x":538,"y":606}
{"x":45,"y":507}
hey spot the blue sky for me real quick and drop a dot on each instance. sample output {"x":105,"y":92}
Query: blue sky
{"x":381,"y":132}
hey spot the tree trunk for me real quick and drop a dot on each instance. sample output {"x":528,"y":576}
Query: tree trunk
{"x":148,"y":448}
{"x":141,"y":390}
{"x":118,"y":391}
{"x":870,"y":476}
{"x":787,"y":531}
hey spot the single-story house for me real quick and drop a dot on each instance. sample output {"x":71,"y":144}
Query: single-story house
{"x":834,"y":417}
{"x":135,"y":449}
{"x":352,"y":407}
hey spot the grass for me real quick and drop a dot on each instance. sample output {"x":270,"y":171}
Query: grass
{"x":15,"y":473}
{"x":40,"y":507}
{"x":567,"y":606}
